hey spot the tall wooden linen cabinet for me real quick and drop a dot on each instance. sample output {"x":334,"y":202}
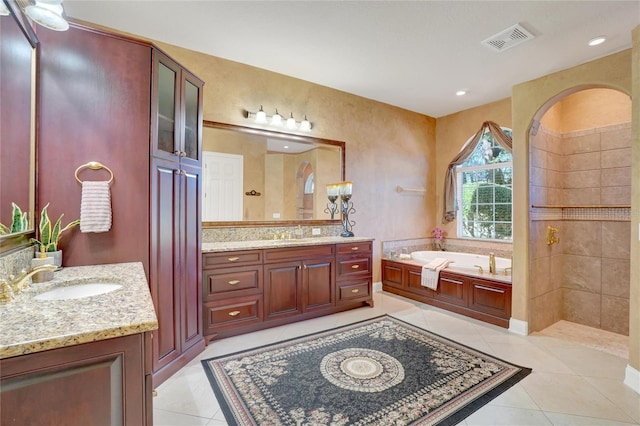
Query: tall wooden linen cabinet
{"x":176,"y":128}
{"x":121,"y":101}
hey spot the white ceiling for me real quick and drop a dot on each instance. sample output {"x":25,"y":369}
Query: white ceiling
{"x":411,"y":54}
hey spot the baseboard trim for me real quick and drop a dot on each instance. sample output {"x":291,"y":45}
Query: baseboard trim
{"x":632,"y":378}
{"x":520,"y":327}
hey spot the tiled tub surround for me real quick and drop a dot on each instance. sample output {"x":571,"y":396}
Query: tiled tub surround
{"x":30,"y":325}
{"x":584,"y":278}
{"x":459,"y":245}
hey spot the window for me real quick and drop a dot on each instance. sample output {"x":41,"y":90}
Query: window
{"x":484,"y":188}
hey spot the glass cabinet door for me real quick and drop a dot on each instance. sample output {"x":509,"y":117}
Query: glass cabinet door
{"x":191,"y":135}
{"x":166,"y":109}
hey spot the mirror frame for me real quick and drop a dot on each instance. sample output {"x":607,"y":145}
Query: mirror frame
{"x":23,"y":239}
{"x":279,"y":135}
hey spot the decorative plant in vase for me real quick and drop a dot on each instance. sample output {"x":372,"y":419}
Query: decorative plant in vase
{"x":50,"y":235}
{"x":438,"y":236}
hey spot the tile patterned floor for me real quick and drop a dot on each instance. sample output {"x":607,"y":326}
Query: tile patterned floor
{"x":571,"y":384}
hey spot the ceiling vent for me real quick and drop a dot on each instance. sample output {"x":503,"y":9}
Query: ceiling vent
{"x":508,"y":38}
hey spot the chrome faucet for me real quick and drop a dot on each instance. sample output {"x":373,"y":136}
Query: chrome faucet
{"x":492,"y":263}
{"x":20,"y":283}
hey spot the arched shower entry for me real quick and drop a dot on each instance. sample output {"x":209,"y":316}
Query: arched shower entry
{"x":580,"y":191}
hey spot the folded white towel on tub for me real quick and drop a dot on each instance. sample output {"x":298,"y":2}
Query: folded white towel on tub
{"x":95,"y":207}
{"x":431,"y":272}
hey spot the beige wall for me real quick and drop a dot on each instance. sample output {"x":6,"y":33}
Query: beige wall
{"x":531,"y":100}
{"x":386,"y":146}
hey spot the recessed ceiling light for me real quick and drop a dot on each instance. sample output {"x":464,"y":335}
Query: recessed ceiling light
{"x":598,"y":40}
{"x":461,"y":92}
{"x":286,"y":147}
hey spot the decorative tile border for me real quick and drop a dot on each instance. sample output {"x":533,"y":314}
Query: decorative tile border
{"x":599,"y":213}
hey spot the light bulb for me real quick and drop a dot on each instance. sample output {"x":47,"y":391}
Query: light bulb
{"x":305,"y":125}
{"x":276,"y":120}
{"x":261,"y":116}
{"x":291,"y":122}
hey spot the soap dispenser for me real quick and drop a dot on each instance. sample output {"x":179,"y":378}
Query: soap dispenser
{"x":42,"y":259}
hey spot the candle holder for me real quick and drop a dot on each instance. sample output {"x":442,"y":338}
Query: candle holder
{"x":332,"y":207}
{"x":347,"y":209}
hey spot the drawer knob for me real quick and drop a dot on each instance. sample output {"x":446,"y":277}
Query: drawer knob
{"x":233,"y":259}
{"x":355,"y":266}
{"x":355,"y":290}
{"x":234,"y":313}
{"x":354,"y":248}
{"x":233,"y":282}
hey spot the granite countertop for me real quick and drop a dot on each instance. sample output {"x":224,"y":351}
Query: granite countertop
{"x":222,"y":246}
{"x":30,"y":325}
{"x":463,"y":271}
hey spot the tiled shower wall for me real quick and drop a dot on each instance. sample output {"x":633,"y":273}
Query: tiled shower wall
{"x":584,"y":278}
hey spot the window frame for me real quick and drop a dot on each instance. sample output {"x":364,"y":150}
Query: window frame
{"x":459,"y":170}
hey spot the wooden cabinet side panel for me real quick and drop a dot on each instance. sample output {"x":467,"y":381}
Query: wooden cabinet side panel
{"x":94,"y":106}
{"x":91,"y":384}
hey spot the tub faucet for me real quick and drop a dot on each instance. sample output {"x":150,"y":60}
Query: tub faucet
{"x":492,"y":263}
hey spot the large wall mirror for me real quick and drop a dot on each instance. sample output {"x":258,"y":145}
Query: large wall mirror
{"x":18,"y":45}
{"x":256,"y":177}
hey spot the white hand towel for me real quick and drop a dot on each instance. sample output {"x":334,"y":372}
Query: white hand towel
{"x":431,"y":272}
{"x":95,"y":207}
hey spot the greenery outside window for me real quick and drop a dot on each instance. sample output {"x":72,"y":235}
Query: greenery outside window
{"x":485,"y":189}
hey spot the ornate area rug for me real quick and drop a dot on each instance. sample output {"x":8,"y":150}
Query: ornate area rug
{"x":381,"y":371}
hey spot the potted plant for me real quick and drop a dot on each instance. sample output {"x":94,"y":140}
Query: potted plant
{"x":50,"y":235}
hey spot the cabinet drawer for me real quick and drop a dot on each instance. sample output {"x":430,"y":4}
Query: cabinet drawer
{"x":227,"y":281}
{"x":348,"y":267}
{"x":232,"y":258}
{"x":451,"y":290}
{"x":490,"y":297}
{"x":298,"y":253}
{"x":233,"y":312}
{"x":354,"y":291}
{"x":391,"y":274}
{"x":360,"y":247}
{"x":413,"y":278}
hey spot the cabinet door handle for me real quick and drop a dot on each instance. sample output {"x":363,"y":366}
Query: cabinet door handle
{"x":233,"y":313}
{"x":232,"y":259}
{"x":304,"y":266}
{"x":176,"y":152}
{"x":355,"y":266}
{"x":233,"y":282}
{"x":183,"y":154}
{"x":495,"y":290}
{"x":354,"y":248}
{"x":355,"y":290}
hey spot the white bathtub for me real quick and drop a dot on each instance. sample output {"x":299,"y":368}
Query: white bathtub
{"x":462,"y":260}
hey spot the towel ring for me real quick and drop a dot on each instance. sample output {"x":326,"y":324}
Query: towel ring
{"x":93,"y":165}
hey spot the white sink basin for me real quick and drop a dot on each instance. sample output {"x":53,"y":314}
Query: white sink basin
{"x":78,"y":291}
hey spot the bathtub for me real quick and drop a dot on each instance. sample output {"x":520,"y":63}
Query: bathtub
{"x":462,"y":260}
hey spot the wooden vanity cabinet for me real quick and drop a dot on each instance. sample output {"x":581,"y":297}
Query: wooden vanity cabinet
{"x":98,"y":383}
{"x":483,"y":299}
{"x":250,"y":290}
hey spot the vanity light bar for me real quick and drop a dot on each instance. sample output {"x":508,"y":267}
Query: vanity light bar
{"x":277,"y":120}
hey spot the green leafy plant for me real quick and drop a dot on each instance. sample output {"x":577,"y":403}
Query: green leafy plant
{"x":19,"y":222}
{"x":50,"y":236}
